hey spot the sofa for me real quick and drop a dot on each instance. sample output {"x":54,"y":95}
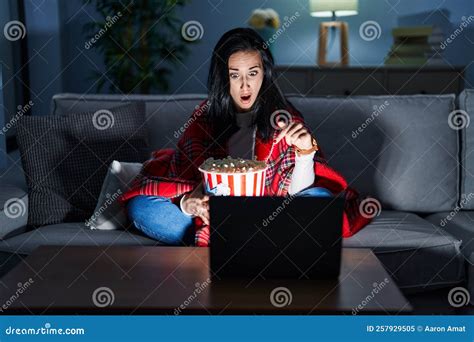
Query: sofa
{"x":406,"y":152}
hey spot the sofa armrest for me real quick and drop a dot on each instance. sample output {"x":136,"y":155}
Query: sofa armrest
{"x":13,"y":210}
{"x":470,"y":277}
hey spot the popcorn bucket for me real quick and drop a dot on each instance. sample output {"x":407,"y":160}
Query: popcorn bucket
{"x":234,"y":184}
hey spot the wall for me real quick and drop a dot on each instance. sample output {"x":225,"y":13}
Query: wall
{"x":6,"y":63}
{"x":298,"y":44}
{"x":47,"y":69}
{"x":70,"y":65}
{"x":6,"y":70}
{"x":3,"y":149}
{"x":74,"y":15}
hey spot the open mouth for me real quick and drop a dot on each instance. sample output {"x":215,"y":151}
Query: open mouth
{"x":245,"y":98}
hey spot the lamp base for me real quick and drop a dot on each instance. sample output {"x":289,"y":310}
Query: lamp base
{"x":323,"y":40}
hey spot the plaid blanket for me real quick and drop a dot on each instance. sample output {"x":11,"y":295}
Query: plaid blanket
{"x":173,"y":172}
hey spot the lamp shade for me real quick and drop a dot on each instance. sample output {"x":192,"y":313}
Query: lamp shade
{"x":326,"y":8}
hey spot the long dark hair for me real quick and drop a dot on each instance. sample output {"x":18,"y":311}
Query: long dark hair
{"x":221,"y":107}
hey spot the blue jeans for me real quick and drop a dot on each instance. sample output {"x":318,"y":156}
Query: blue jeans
{"x":161,"y":220}
{"x":314,"y":192}
{"x":164,"y":221}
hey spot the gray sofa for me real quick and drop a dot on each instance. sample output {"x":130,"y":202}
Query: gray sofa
{"x":398,"y":149}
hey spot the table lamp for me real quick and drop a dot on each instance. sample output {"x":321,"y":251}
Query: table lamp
{"x":333,"y":9}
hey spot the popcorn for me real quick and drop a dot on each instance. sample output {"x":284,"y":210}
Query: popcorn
{"x":232,"y":165}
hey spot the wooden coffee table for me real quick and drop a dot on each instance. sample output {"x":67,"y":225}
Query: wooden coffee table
{"x":176,"y":280}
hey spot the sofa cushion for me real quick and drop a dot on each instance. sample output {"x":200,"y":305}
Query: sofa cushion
{"x":399,"y":149}
{"x":165,"y":114}
{"x":73,"y":234}
{"x":466,"y":120}
{"x":417,"y":254}
{"x":405,"y":153}
{"x":13,"y":210}
{"x":470,"y":277}
{"x":461,"y":225}
{"x":66,"y":158}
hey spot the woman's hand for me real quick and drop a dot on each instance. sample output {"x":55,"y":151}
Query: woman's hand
{"x":295,"y":134}
{"x":197,"y":203}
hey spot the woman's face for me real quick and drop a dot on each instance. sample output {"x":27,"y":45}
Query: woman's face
{"x":246,"y":77}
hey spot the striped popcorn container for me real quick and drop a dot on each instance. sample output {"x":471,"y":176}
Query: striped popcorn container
{"x":234,"y":184}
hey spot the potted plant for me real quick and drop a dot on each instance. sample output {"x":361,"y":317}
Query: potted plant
{"x":140,"y":42}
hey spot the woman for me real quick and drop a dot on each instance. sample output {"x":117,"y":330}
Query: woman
{"x":241,"y":118}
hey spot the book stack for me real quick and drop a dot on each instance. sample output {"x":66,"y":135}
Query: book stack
{"x":416,"y":45}
{"x":435,"y":55}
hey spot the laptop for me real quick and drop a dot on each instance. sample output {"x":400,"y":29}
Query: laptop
{"x":275,"y":237}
